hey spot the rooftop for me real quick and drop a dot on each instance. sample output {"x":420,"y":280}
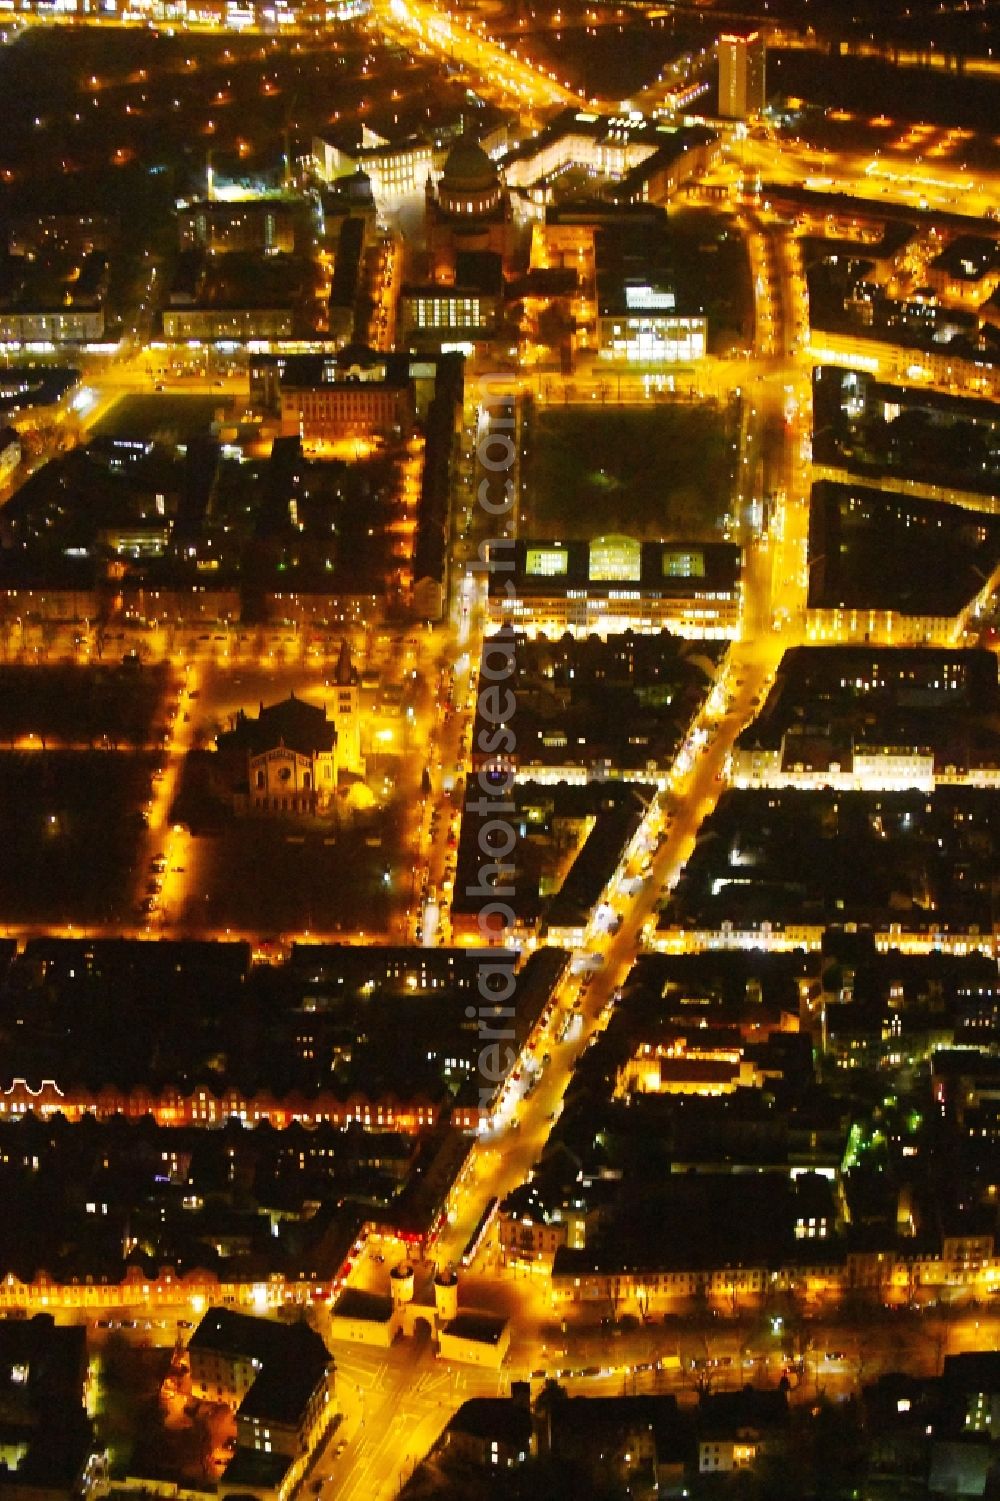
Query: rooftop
{"x":468,"y":168}
{"x":292,"y":1360}
{"x":881,"y":550}
{"x":355,"y":1303}
{"x":828,"y":704}
{"x":300,"y":726}
{"x":481,"y":1328}
{"x":905,"y":860}
{"x":968,"y":258}
{"x":493,"y":1418}
{"x":547,"y":566}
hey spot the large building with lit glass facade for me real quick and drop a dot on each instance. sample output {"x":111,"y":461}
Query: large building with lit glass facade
{"x":462,"y":312}
{"x":642,"y":319}
{"x":642,"y":326}
{"x":616,"y":583}
{"x":431,"y":316}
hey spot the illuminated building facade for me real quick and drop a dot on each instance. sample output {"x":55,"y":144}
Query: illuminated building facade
{"x":239,"y":324}
{"x":641,"y":320}
{"x":396,"y":168}
{"x":470,"y":185}
{"x":617,"y":583}
{"x":322,"y":400}
{"x":206,"y":1107}
{"x":742,"y":82}
{"x":347,"y":714}
{"x":435,"y":316}
{"x":481,"y":1339}
{"x":270,"y":226}
{"x":604,"y":145}
{"x":647,"y":329}
{"x":873,"y":719}
{"x":967,"y":272}
{"x":737,"y":1427}
{"x":289,"y":754}
{"x":62,"y":326}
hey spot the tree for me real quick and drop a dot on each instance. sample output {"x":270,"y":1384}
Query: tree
{"x":6,"y":631}
{"x":553,"y":325}
{"x":838,"y":1449}
{"x":642,"y":1296}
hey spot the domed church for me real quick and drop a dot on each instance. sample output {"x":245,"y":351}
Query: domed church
{"x":470,"y":183}
{"x":469,"y":210}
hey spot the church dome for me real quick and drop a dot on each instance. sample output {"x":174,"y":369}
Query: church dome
{"x":470,"y":184}
{"x":468,"y":169}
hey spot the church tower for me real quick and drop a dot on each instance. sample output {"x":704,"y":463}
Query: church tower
{"x":347,"y":714}
{"x":430,"y":204}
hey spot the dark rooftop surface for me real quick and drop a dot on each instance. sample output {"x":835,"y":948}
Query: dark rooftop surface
{"x":497,"y":1418}
{"x":828,"y":703}
{"x":130,"y":1014}
{"x":880,"y":550}
{"x":918,"y":860}
{"x":974,"y":1371}
{"x":700,"y":1220}
{"x":293,"y":723}
{"x":599,"y":816}
{"x":624,"y":702}
{"x":42,"y":1373}
{"x":875,"y":428}
{"x":666,"y":569}
{"x":484,"y":1328}
{"x":292,"y":1357}
{"x":355,"y":1303}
